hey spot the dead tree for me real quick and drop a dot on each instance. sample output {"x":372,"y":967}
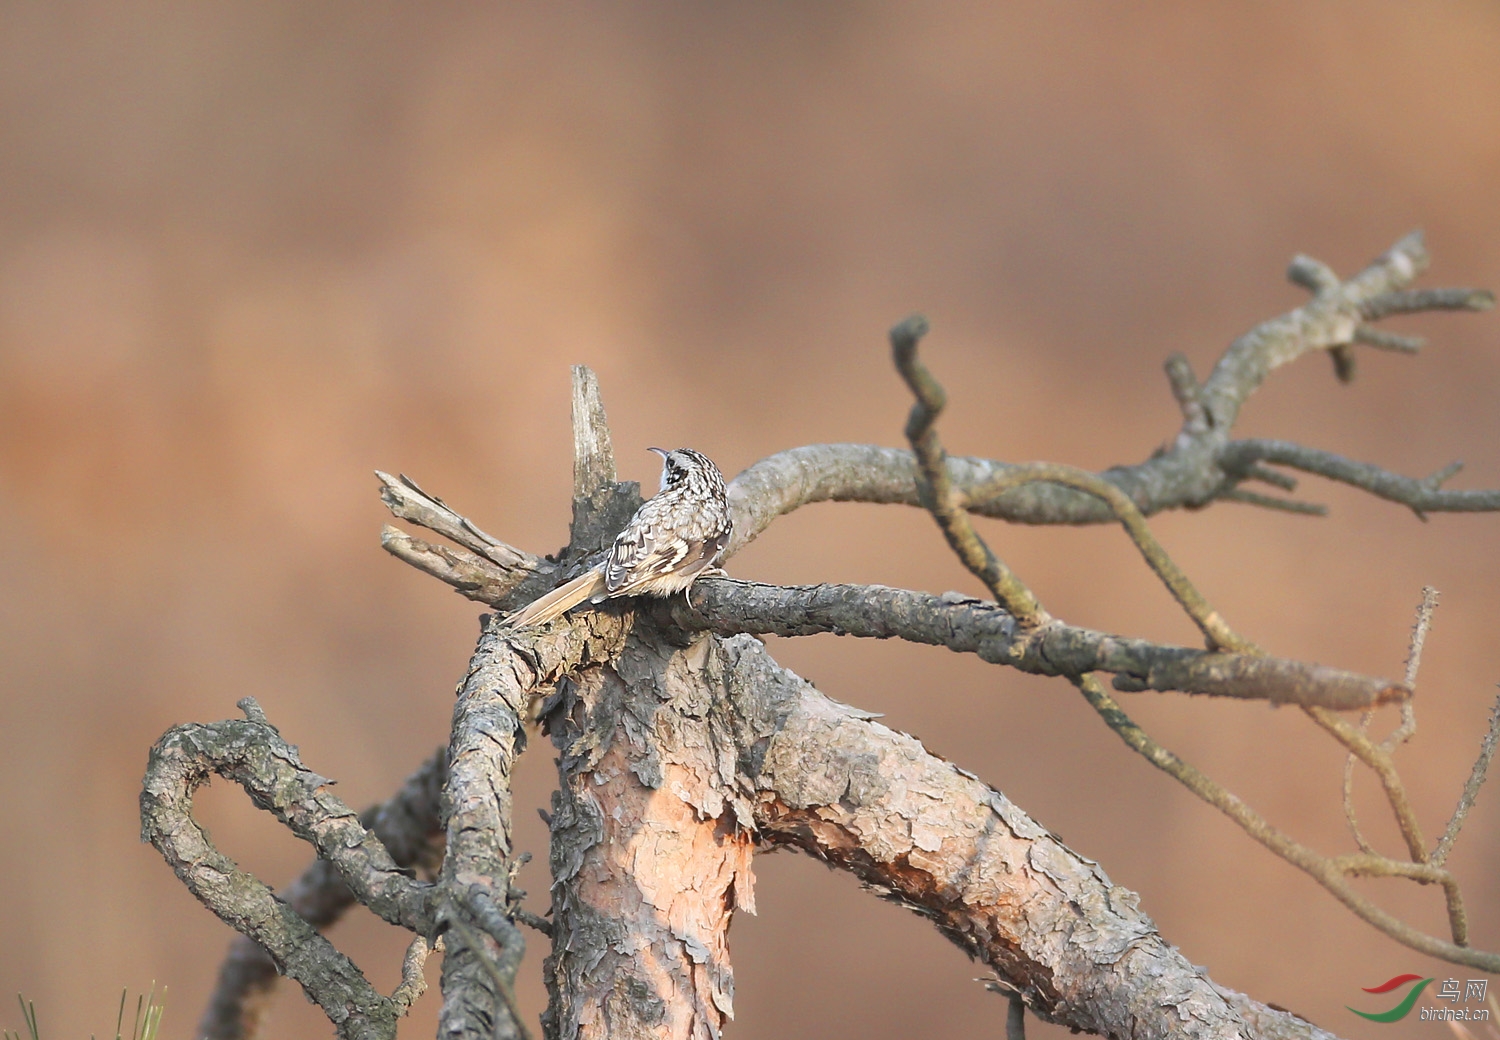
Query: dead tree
{"x":684,"y":748}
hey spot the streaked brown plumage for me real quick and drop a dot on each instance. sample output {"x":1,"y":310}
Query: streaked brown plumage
{"x":674,"y":537}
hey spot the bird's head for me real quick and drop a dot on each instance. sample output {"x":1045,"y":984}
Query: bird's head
{"x":680,"y":464}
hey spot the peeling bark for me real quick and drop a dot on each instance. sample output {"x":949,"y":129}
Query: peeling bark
{"x":924,"y":833}
{"x":651,"y":848}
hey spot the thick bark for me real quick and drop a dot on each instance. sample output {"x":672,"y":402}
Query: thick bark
{"x":916,"y":829}
{"x":651,"y":848}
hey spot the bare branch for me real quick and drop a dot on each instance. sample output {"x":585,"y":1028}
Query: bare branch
{"x":505,"y":672}
{"x":406,"y":824}
{"x":1311,"y":274}
{"x":1410,"y":301}
{"x":1471,"y":788}
{"x":1274,"y":477}
{"x":1328,"y":320}
{"x":965,"y":625}
{"x":413,"y":982}
{"x":476,"y":577}
{"x":601,"y":507}
{"x":593,"y":451}
{"x":936,"y":488}
{"x":252,"y":754}
{"x":1349,"y":815}
{"x":1185,"y":391}
{"x":409,"y":502}
{"x":1284,"y":505}
{"x":1199,"y":467}
{"x":1381,"y":340}
{"x":1329,"y":873}
{"x":1408,"y":725}
{"x":1422,"y":496}
{"x":1380,"y":762}
{"x":1419,"y":630}
{"x":1398,"y":736}
{"x":923,"y":833}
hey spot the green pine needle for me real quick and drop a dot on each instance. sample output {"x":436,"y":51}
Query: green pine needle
{"x":144,"y":1026}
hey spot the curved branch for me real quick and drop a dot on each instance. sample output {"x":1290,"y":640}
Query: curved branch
{"x":1191,"y":472}
{"x":922,"y":832}
{"x":252,"y":754}
{"x":1328,"y":320}
{"x":936,"y":489}
{"x":727,"y":606}
{"x":1332,"y":874}
{"x":407,"y":824}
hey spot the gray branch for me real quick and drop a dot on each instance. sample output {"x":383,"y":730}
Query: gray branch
{"x":252,"y":754}
{"x":1421,"y":495}
{"x":1197,"y":468}
{"x":967,"y":625}
{"x":918,"y":830}
{"x":482,"y":948}
{"x":1476,"y":780}
{"x":406,"y":824}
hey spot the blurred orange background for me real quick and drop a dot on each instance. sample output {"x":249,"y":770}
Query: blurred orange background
{"x":250,"y":252}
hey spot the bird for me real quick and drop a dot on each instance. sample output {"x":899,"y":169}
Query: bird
{"x":674,"y":537}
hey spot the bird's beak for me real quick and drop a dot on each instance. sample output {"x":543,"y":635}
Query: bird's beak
{"x":663,"y":452}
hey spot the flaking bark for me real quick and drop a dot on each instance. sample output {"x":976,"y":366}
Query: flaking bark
{"x":918,"y":830}
{"x":651,"y":848}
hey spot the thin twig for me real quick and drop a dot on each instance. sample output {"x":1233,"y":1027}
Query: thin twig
{"x":1274,"y":477}
{"x":1359,"y":838}
{"x":1185,"y":391}
{"x":1283,"y":505}
{"x":1408,"y":301}
{"x":1328,"y":873}
{"x":1380,"y":763}
{"x":1471,"y":788}
{"x":1408,"y":724}
{"x":1421,"y":495}
{"x":413,"y":981}
{"x":936,"y":489}
{"x":532,"y":920}
{"x":1419,"y":630}
{"x":1214,"y":628}
{"x":1392,"y":341}
{"x":1312,"y":274}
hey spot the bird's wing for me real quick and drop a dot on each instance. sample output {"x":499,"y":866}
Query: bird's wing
{"x":643,"y":553}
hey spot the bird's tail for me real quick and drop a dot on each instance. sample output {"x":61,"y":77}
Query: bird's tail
{"x":558,"y":601}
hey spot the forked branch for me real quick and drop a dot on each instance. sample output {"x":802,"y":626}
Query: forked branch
{"x":1241,"y":371}
{"x":820,"y":777}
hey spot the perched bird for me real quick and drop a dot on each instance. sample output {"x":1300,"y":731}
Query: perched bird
{"x":674,"y":537}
